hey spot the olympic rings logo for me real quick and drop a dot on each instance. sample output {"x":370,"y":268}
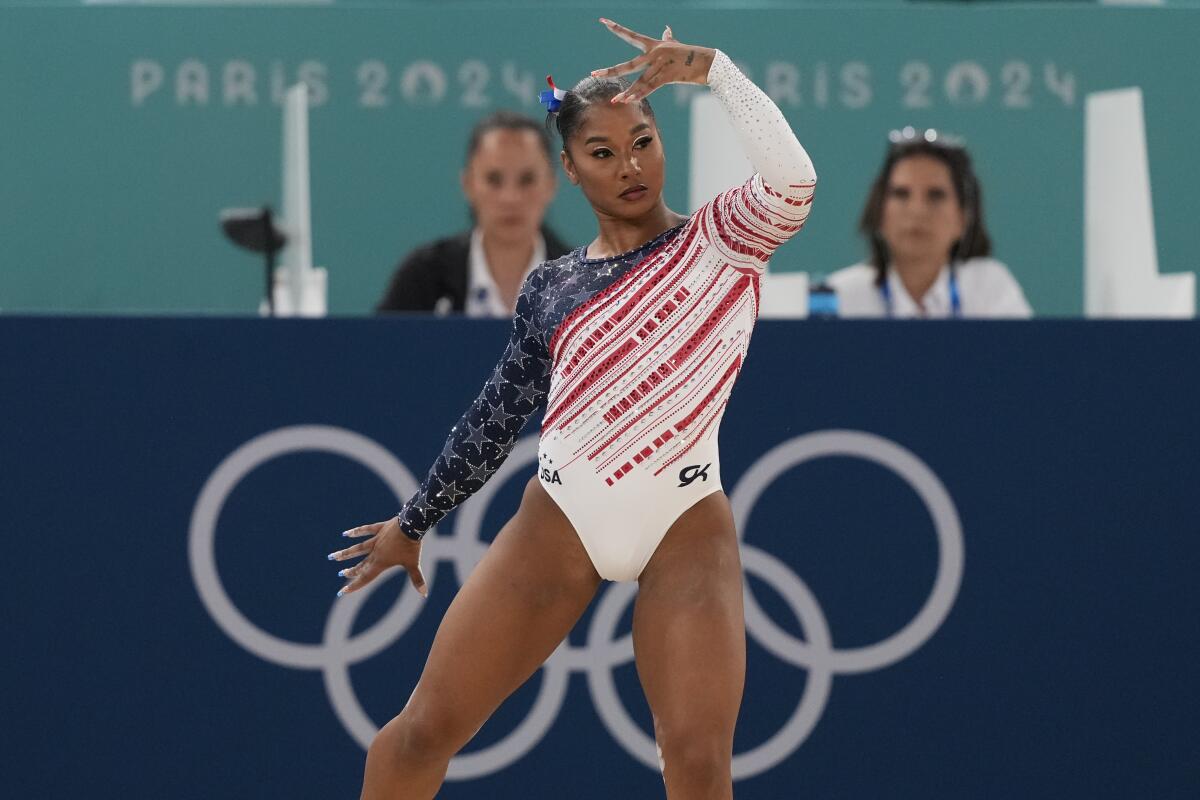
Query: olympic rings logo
{"x":463,"y":549}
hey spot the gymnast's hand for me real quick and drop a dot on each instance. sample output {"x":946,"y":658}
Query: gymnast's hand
{"x":664,"y":61}
{"x":388,"y":547}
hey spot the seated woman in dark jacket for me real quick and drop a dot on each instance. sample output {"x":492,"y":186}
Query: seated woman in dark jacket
{"x":508,"y":180}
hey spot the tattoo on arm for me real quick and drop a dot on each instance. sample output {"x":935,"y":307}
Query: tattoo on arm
{"x":691,"y":55}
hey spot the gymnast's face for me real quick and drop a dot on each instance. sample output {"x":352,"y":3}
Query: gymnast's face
{"x":922,"y":216}
{"x":616,"y":158}
{"x":509,"y":182}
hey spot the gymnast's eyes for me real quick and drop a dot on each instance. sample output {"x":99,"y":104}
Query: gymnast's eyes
{"x":640,"y":144}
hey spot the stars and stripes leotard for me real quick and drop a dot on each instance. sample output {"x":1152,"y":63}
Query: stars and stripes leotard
{"x":634,"y":357}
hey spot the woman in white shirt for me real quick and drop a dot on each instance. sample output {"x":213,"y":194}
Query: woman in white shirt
{"x":923,"y":221}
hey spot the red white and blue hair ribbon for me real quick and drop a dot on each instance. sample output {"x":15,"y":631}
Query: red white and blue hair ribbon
{"x":552,"y":98}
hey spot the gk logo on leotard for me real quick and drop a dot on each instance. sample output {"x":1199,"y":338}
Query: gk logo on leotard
{"x":688,"y":475}
{"x":551,"y":476}
{"x":602,"y":652}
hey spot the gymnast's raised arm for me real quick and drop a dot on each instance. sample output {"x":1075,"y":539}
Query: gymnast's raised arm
{"x":765,"y":135}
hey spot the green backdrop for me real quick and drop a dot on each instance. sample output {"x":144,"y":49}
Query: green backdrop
{"x":126,"y":129}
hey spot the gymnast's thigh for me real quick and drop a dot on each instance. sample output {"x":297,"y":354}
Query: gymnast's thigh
{"x":522,"y":599}
{"x":688,"y":629}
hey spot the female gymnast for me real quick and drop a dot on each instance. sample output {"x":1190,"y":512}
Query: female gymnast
{"x":633,"y":344}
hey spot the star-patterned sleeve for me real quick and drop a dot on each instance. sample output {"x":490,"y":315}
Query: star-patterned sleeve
{"x":486,"y":433}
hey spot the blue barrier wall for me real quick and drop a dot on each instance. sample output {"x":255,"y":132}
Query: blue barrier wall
{"x":140,"y":495}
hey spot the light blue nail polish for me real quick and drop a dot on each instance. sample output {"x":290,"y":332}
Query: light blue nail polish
{"x":341,"y":592}
{"x":342,"y":574}
{"x":331,"y":556}
{"x":345,"y":533}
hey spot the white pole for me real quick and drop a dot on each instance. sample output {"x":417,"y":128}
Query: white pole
{"x":302,"y":289}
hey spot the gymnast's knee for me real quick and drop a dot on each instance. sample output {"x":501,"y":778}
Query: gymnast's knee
{"x":705,"y":758}
{"x":416,"y":738}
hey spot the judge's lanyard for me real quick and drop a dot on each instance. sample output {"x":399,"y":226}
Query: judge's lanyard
{"x":885,"y":289}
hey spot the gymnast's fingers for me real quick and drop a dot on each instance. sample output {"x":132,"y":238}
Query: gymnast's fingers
{"x":350,"y":573}
{"x":667,"y":35}
{"x":364,"y":530}
{"x":632,"y":65}
{"x":418,"y":579}
{"x":362,"y":548}
{"x":643,"y":86}
{"x":371,"y":568}
{"x":360,"y":575}
{"x":638,"y":40}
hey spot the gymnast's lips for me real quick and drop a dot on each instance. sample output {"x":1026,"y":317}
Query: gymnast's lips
{"x":635,"y":192}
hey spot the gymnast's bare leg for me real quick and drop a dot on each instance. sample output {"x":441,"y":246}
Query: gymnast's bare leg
{"x":521,"y":601}
{"x":690,"y":641}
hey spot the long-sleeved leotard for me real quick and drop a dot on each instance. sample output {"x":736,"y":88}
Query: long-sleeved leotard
{"x":634,"y":357}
